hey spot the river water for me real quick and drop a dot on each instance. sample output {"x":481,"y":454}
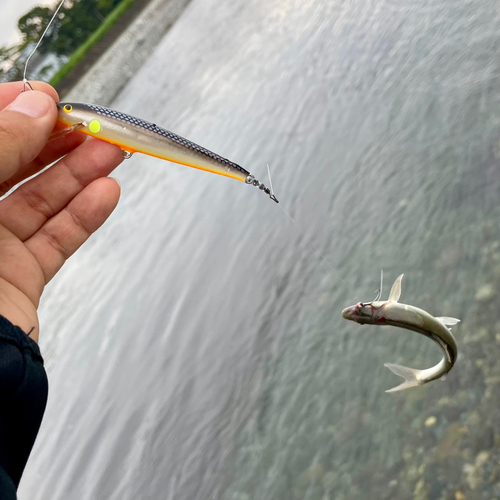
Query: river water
{"x":195,"y":347}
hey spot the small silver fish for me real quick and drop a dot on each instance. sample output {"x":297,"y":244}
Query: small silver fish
{"x":392,"y":313}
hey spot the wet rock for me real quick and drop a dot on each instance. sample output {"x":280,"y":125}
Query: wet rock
{"x":430,"y":421}
{"x":452,"y":440}
{"x":449,"y":471}
{"x":492,"y":380}
{"x":481,"y":437}
{"x":420,"y":492}
{"x":473,"y":477}
{"x":474,"y":473}
{"x":473,"y":419}
{"x":485,"y":292}
{"x":476,"y":335}
{"x":444,"y":402}
{"x":482,"y":458}
{"x":495,"y":474}
{"x":481,"y":364}
{"x":413,"y":472}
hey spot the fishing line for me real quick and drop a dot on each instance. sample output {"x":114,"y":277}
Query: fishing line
{"x":25,"y":81}
{"x":325,"y":263}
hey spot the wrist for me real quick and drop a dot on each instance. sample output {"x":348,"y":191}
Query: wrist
{"x":18,"y":309}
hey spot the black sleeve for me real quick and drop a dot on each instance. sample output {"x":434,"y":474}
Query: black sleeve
{"x":23,"y":396}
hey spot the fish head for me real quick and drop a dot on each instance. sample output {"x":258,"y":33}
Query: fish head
{"x":362,"y":313}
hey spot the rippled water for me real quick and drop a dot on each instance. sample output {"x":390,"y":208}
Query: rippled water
{"x":195,"y":347}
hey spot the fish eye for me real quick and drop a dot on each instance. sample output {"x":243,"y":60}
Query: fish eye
{"x":68,"y":108}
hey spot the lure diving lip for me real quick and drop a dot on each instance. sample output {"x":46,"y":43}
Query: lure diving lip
{"x":134,"y":135}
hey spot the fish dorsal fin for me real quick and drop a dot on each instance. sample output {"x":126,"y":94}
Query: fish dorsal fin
{"x":448,"y":321}
{"x":396,"y":290}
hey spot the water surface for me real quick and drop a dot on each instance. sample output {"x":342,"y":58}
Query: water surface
{"x":195,"y":346}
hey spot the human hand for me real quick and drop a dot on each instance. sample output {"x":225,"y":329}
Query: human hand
{"x":45,"y":220}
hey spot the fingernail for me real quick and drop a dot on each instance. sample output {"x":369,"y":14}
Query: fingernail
{"x":117,"y":181}
{"x":32,"y":103}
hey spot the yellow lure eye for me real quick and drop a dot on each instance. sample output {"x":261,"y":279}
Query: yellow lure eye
{"x":68,"y":108}
{"x":95,"y":126}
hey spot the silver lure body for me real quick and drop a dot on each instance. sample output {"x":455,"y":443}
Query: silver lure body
{"x":134,"y":135}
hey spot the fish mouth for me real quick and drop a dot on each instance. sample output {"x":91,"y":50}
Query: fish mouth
{"x":352,"y":313}
{"x":347,"y":313}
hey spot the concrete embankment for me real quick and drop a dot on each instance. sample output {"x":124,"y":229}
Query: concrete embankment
{"x":120,"y":53}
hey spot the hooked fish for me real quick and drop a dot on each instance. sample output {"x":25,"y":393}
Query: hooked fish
{"x":392,"y":313}
{"x":133,"y":135}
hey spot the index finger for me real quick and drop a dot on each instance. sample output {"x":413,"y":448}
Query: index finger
{"x":9,"y":91}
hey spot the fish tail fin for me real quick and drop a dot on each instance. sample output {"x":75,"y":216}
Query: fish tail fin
{"x":409,"y":374}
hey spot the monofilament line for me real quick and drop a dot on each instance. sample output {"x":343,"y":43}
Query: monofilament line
{"x":25,"y":81}
{"x":270,"y":181}
{"x":322,"y":259}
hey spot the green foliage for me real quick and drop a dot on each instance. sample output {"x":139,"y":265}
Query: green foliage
{"x":83,"y":49}
{"x":33,"y":24}
{"x":6,"y":53}
{"x":76,"y":29}
{"x":74,"y":23}
{"x":7,"y":56}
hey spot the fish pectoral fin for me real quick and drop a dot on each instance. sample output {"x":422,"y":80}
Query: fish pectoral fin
{"x":396,"y":290}
{"x":448,"y":321}
{"x":409,"y":374}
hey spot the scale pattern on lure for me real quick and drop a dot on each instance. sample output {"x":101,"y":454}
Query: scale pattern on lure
{"x":137,"y":122}
{"x":392,"y":313}
{"x":133,"y":135}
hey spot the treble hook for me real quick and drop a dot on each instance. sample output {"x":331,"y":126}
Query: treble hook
{"x":26,"y":83}
{"x":378,"y":292}
{"x":252,"y":180}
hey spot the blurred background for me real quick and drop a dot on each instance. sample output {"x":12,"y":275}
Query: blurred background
{"x":194,"y":346}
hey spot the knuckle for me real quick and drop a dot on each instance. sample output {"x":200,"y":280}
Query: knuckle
{"x":79,"y":222}
{"x":8,"y":133}
{"x":55,"y":242}
{"x":5,"y":187}
{"x":36,"y":201}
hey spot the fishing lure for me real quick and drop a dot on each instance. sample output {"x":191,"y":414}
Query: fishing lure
{"x":392,"y":313}
{"x":134,"y":135}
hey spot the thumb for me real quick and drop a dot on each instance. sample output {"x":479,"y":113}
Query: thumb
{"x":25,"y":126}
